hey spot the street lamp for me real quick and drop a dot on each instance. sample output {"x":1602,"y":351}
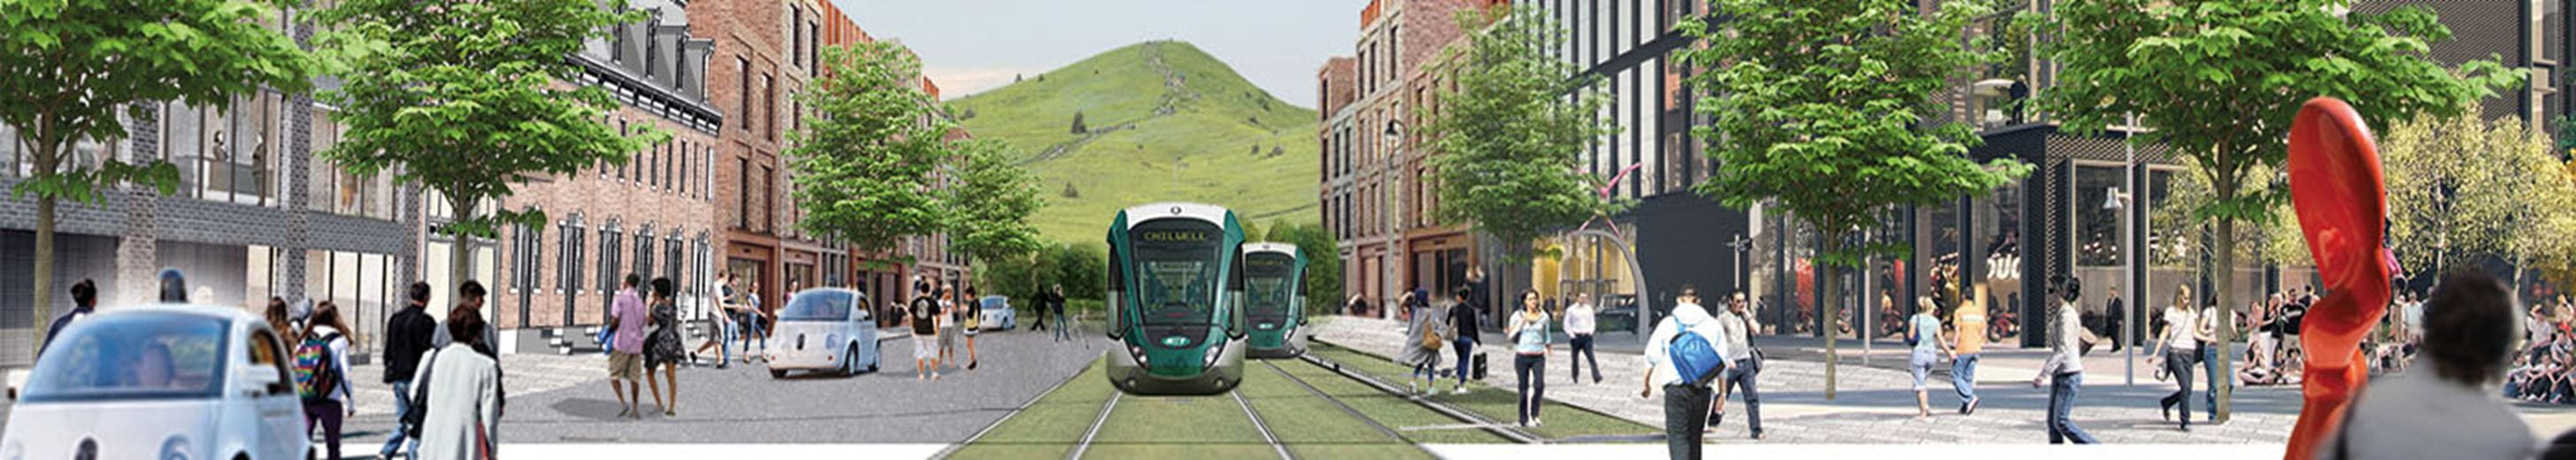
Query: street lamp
{"x":2116,"y":201}
{"x":1393,"y":137}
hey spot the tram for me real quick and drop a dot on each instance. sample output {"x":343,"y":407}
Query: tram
{"x":1274,"y":301}
{"x":1176,"y":291}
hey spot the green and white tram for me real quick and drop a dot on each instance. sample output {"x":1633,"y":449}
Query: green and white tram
{"x":1176,"y":299}
{"x":1274,"y":299}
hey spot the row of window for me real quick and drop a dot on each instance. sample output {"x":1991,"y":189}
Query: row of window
{"x":647,"y":255}
{"x":677,"y":166}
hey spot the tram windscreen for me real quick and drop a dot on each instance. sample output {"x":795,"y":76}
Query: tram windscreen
{"x":1269,"y":284}
{"x":1176,"y":266}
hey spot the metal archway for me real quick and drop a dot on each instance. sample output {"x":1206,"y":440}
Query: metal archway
{"x":1645,"y":302}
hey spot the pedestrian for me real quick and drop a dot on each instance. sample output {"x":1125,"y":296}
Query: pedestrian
{"x":1578,"y":332}
{"x":1743,"y":363}
{"x":1699,"y":343}
{"x":2115,"y":316}
{"x":973,"y":310}
{"x":662,"y":348}
{"x":924,"y":318}
{"x":627,"y":321}
{"x":84,"y":303}
{"x":470,"y":296}
{"x":321,"y":375}
{"x":2180,"y":350}
{"x":174,"y":286}
{"x":283,"y":321}
{"x":1467,"y":323}
{"x":948,"y":318}
{"x":754,"y":326}
{"x":1529,"y":361}
{"x":1968,"y":341}
{"x":2448,"y":412}
{"x":2211,"y":318}
{"x":1055,"y":308}
{"x":2064,"y":369}
{"x":1041,"y":311}
{"x":409,"y":333}
{"x":1424,"y":334}
{"x":1923,"y":330}
{"x":460,"y":394}
{"x":1479,"y":294}
{"x":724,"y":323}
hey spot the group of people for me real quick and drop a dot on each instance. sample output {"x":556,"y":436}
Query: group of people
{"x":737,"y":315}
{"x":2545,"y":369}
{"x":938,"y":317}
{"x":645,"y":339}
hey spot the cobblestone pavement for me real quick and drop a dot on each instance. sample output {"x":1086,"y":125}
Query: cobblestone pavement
{"x":1875,"y":403}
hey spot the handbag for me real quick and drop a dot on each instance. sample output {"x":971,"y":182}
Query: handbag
{"x":1431,"y":338}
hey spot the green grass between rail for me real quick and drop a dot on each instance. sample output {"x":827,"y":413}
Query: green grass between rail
{"x":1495,"y":403}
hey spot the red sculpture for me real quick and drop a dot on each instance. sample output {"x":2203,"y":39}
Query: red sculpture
{"x":2341,"y":198}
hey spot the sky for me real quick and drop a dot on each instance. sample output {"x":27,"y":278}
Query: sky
{"x":973,"y":45}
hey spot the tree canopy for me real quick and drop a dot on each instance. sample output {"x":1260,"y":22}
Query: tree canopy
{"x":68,"y":67}
{"x":1827,"y":110}
{"x":990,"y":203}
{"x":867,"y":165}
{"x":1508,"y":133}
{"x":472,"y":99}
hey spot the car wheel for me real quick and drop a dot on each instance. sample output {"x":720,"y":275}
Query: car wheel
{"x":777,"y":373}
{"x":850,"y":362}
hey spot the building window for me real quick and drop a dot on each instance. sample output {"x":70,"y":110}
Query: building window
{"x":769,"y":106}
{"x":611,"y":245}
{"x":742,"y":77}
{"x":742,"y":193}
{"x":644,"y":254}
{"x":768,"y":196}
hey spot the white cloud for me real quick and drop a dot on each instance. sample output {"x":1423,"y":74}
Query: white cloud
{"x":960,"y":82}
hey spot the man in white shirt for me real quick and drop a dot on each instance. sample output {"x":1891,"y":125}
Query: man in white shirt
{"x":1685,"y":403}
{"x":1742,"y":364}
{"x":1579,"y":326}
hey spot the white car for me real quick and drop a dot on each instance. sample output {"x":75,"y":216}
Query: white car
{"x":997,"y":313}
{"x":160,"y":382}
{"x":823,"y":329}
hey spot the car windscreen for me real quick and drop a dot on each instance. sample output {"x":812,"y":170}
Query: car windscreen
{"x":1269,"y":280}
{"x":1176,"y":263}
{"x":817,"y":306}
{"x":133,"y":356}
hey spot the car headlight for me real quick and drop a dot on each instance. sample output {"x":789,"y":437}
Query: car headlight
{"x":174,"y":449}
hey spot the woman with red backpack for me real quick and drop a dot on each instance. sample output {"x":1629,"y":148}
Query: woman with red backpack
{"x":321,"y":374}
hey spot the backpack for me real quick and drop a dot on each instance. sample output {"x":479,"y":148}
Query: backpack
{"x":315,"y":372}
{"x":1694,"y":356}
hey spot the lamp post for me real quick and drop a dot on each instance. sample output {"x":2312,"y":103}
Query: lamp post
{"x":2116,"y":201}
{"x":1392,"y":138}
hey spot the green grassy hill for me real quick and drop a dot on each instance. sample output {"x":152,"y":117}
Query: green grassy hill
{"x":1165,"y":122}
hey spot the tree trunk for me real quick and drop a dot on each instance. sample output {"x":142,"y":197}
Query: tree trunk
{"x":1831,"y":304}
{"x":48,"y":156}
{"x":460,"y":248}
{"x":2226,"y":267}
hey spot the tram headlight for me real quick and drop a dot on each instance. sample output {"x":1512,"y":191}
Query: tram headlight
{"x":1215,"y":351}
{"x":1138,"y":353}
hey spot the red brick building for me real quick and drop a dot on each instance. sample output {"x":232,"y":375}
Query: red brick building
{"x":1376,"y":202}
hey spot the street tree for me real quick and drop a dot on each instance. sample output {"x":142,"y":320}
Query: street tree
{"x":989,"y":207}
{"x":1323,"y":280}
{"x":1508,"y":131}
{"x":1827,"y":110}
{"x":471,"y":100}
{"x":2219,"y":81}
{"x":867,"y":166}
{"x":68,"y":70}
{"x":2462,"y":189}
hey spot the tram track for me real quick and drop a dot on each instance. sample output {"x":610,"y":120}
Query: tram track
{"x":1258,"y":424}
{"x":1498,"y":429}
{"x":1094,"y":432}
{"x":1337,"y":402}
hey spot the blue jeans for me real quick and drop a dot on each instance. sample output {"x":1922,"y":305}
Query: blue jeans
{"x":751,"y":330}
{"x":1963,"y":377}
{"x":2209,"y":362}
{"x":1428,"y":369}
{"x":2061,"y":410}
{"x":1060,"y":332}
{"x":724,"y":340}
{"x":1740,"y":378}
{"x":396,"y":443}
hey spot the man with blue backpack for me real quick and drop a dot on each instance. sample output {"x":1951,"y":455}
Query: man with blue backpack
{"x":1686,"y":352}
